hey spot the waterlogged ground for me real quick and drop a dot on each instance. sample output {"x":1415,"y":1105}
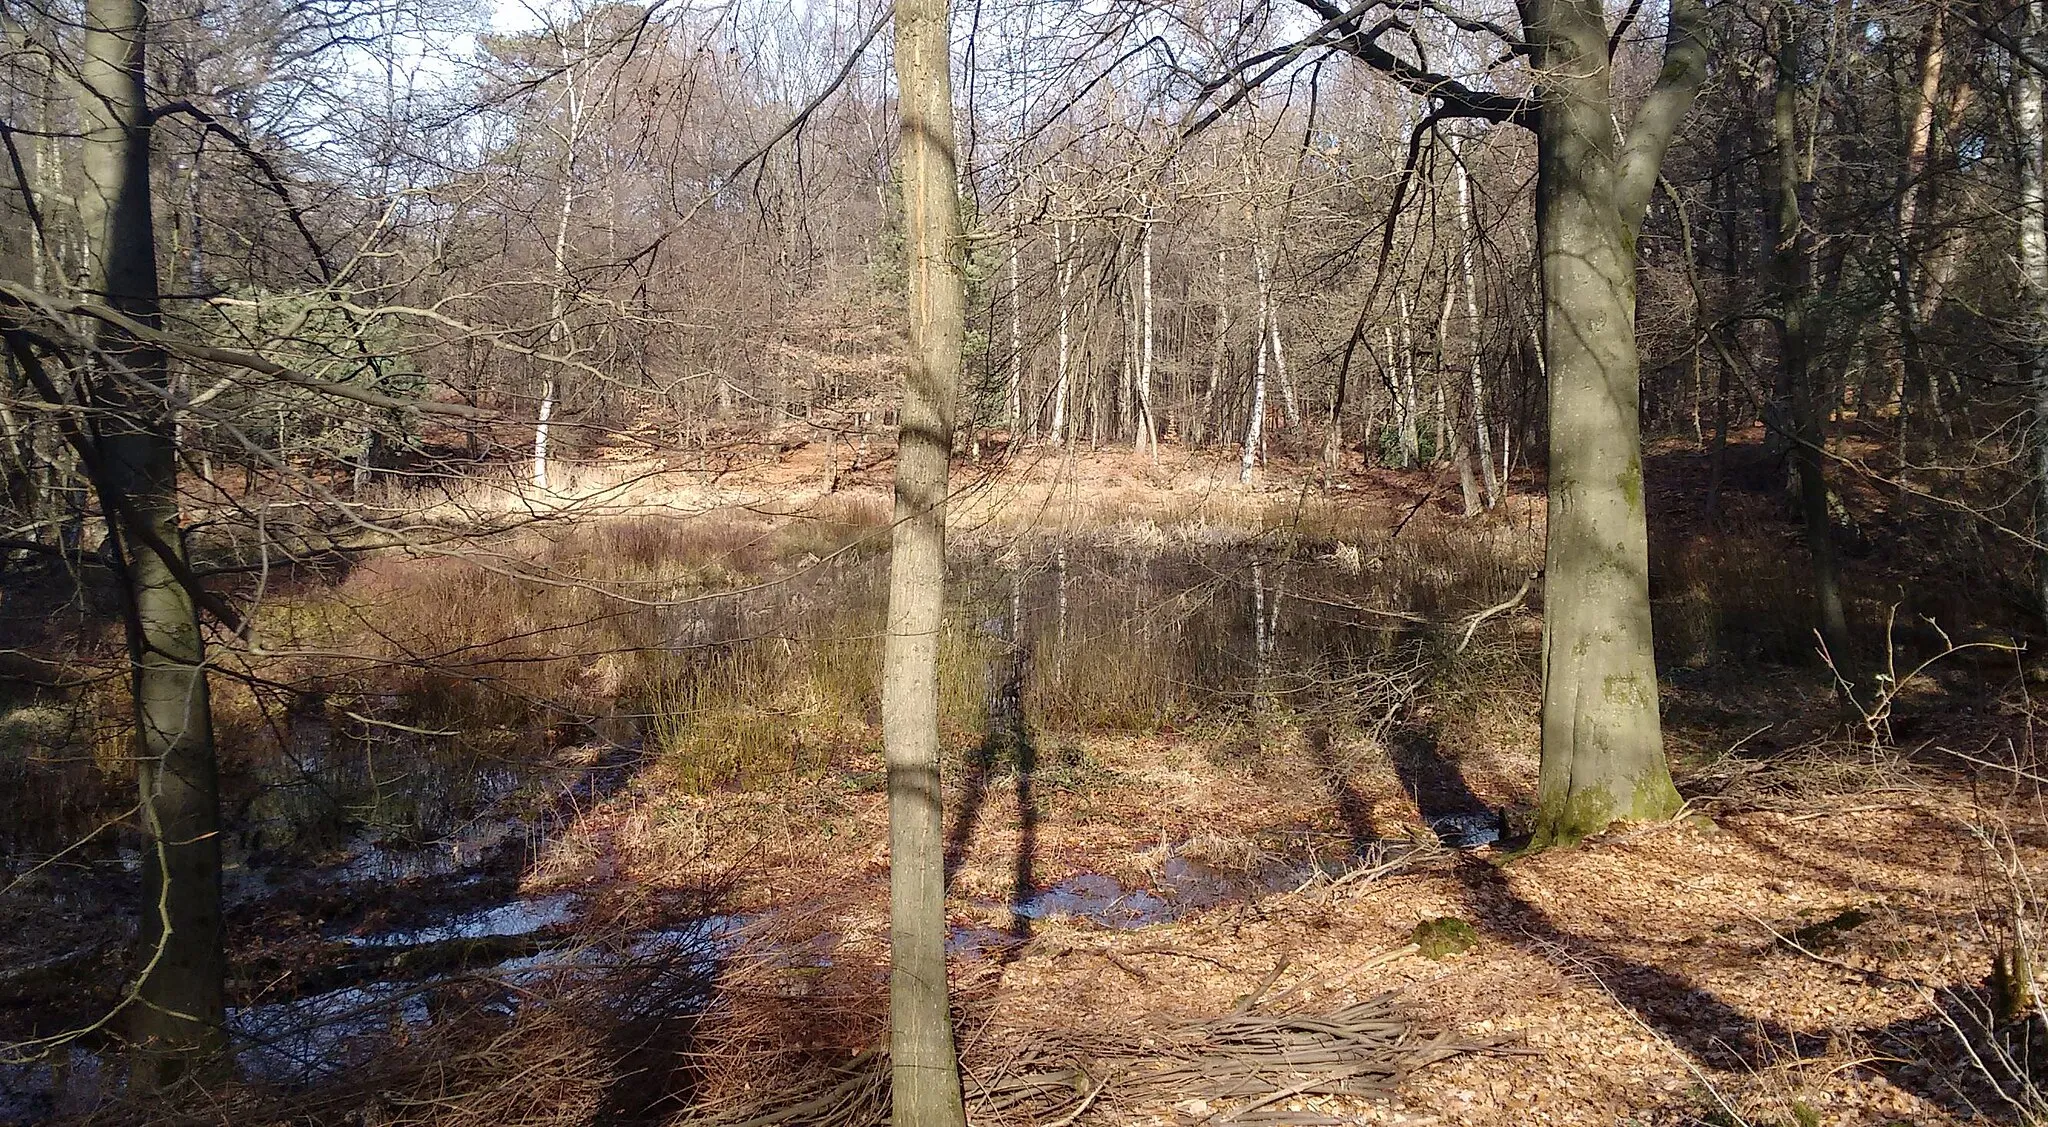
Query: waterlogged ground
{"x":377,"y":860}
{"x":1185,"y":763}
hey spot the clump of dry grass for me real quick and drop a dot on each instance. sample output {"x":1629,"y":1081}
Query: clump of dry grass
{"x":63,"y":763}
{"x":1487,"y":699}
{"x":552,"y":624}
{"x":757,"y":711}
{"x":1116,"y":678}
{"x":1232,"y":852}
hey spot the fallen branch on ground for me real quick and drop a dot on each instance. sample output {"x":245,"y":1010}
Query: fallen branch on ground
{"x":1248,"y":1065}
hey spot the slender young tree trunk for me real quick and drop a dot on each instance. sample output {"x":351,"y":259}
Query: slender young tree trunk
{"x":1603,"y":748}
{"x":1905,"y":266}
{"x":558,"y":295}
{"x":43,"y":256}
{"x":1333,"y":429}
{"x":1792,"y":263}
{"x":1289,"y":402}
{"x":1127,"y":370}
{"x":178,"y":1003}
{"x":1718,"y":457}
{"x":1451,"y":432}
{"x":1410,"y":406}
{"x":2029,"y":132}
{"x":1218,"y":351}
{"x":195,"y":212}
{"x":1255,"y":425}
{"x":1147,"y":436}
{"x":1443,"y":451}
{"x":1472,"y":327}
{"x":1064,"y":255}
{"x":1014,"y":409}
{"x":925,"y":1071}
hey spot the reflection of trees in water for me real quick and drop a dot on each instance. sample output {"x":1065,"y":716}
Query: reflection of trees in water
{"x":1131,"y":639}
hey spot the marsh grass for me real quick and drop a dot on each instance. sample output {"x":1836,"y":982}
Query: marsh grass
{"x":60,"y":767}
{"x":742,"y":649}
{"x":1118,"y":680}
{"x":756,"y":712}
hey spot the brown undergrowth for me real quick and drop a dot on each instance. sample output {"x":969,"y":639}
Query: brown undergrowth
{"x":1817,"y":949}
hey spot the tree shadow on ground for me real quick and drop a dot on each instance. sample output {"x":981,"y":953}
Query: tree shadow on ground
{"x":652,"y":1040}
{"x":1008,"y":747}
{"x":1707,"y":1029}
{"x":1435,"y":784}
{"x":981,"y":764}
{"x":1352,"y":811}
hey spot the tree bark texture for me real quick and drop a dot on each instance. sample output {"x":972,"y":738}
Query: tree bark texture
{"x":1603,"y":750}
{"x":178,"y":1006}
{"x":925,"y":1071}
{"x":2029,"y":133}
{"x":1792,"y":265}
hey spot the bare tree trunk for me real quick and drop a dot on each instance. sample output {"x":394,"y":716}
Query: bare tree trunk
{"x":1289,"y":402}
{"x":1792,"y":263}
{"x":1409,"y":406}
{"x":558,"y":294}
{"x":1472,"y":326}
{"x":1147,"y":433}
{"x":1333,"y":429}
{"x":1065,"y":258}
{"x":1718,"y":457}
{"x":43,"y":256}
{"x":1218,"y":350}
{"x":195,"y":212}
{"x":1255,"y":425}
{"x":2027,"y":116}
{"x":1451,"y":440}
{"x":1014,"y":400}
{"x":925,"y":1070}
{"x":1127,"y":368}
{"x":1468,"y":485}
{"x":178,"y":1002}
{"x":1912,"y":196}
{"x":1603,"y":748}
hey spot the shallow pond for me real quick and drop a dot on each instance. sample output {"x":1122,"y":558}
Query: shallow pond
{"x":1047,"y":642}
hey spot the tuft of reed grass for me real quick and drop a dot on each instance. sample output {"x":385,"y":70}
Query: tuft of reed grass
{"x":752,"y":713}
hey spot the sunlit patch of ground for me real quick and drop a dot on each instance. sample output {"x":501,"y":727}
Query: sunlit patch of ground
{"x":1757,"y":967}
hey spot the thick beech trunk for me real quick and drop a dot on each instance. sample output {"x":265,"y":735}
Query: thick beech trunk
{"x":1603,"y":750}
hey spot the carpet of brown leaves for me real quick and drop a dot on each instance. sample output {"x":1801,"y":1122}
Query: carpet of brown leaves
{"x":1761,"y":966}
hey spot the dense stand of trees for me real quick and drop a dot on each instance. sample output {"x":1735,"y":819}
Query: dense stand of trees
{"x":280,"y":272}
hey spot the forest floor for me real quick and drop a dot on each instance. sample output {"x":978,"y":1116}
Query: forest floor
{"x":1790,"y":954}
{"x":1812,"y":944}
